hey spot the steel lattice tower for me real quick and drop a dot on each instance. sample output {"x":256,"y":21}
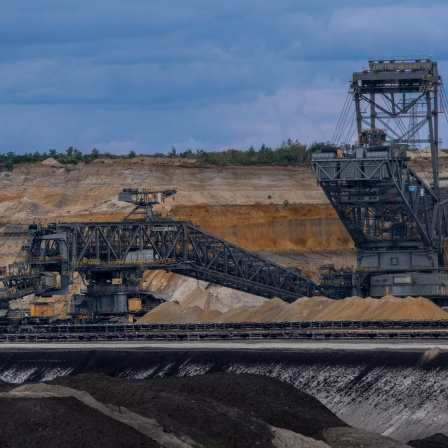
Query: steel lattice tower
{"x":398,"y":222}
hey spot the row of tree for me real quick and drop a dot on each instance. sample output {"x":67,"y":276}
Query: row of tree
{"x":290,"y":153}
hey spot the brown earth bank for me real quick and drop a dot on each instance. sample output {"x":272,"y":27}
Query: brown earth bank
{"x":255,"y":227}
{"x":41,"y":190}
{"x":275,"y":227}
{"x":242,"y":204}
{"x":214,"y":410}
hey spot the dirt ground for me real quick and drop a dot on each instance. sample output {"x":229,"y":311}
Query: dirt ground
{"x":225,"y":410}
{"x":435,"y":441}
{"x":214,"y":410}
{"x":62,"y":422}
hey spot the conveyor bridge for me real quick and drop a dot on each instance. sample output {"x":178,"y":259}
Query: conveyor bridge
{"x":125,"y":249}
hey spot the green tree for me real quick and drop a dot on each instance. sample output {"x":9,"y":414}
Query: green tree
{"x":77,"y":154}
{"x":173,"y":152}
{"x":188,"y":154}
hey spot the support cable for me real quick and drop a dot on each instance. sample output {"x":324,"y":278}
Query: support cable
{"x":342,"y":122}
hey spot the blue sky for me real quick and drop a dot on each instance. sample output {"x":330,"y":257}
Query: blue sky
{"x":145,"y":75}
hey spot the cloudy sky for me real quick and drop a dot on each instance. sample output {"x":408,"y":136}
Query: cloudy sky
{"x":145,"y":75}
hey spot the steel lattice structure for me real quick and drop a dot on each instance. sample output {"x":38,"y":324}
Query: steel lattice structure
{"x":386,"y":95}
{"x":398,"y":222}
{"x":176,"y":246}
{"x":384,"y":204}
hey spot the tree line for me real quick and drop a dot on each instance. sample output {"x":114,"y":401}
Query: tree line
{"x":289,"y":153}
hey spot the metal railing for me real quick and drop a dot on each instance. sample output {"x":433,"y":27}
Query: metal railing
{"x":95,"y":261}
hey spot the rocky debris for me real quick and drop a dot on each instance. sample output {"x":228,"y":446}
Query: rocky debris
{"x":388,"y":307}
{"x":390,"y":393}
{"x":280,"y":404}
{"x":163,"y":313}
{"x":304,"y":309}
{"x":438,"y":440}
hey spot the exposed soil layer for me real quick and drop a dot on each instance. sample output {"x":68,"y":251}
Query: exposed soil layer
{"x":271,"y":227}
{"x":41,"y":190}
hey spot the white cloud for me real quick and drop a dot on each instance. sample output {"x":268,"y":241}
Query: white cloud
{"x":193,"y":74}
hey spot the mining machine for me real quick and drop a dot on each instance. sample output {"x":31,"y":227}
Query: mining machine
{"x":398,"y":219}
{"x":111,"y":257}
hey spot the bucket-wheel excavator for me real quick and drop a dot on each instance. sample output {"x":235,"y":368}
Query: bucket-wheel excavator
{"x":112,"y":256}
{"x":389,"y":196}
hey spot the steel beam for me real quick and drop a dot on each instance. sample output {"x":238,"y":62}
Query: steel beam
{"x":176,"y":246}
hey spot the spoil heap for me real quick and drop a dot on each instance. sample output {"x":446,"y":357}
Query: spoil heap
{"x":56,"y":422}
{"x":304,"y":309}
{"x":224,"y":410}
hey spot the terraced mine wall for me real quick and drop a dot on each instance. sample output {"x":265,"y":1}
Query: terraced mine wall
{"x":399,"y":393}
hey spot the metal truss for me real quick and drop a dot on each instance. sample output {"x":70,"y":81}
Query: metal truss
{"x":354,"y":329}
{"x":400,"y":95}
{"x":174,"y":246}
{"x":209,"y":258}
{"x":383,"y":203}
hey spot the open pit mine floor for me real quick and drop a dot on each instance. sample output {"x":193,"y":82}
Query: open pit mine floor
{"x":344,"y":394}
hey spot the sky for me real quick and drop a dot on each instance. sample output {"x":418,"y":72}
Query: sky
{"x":146,"y":75}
